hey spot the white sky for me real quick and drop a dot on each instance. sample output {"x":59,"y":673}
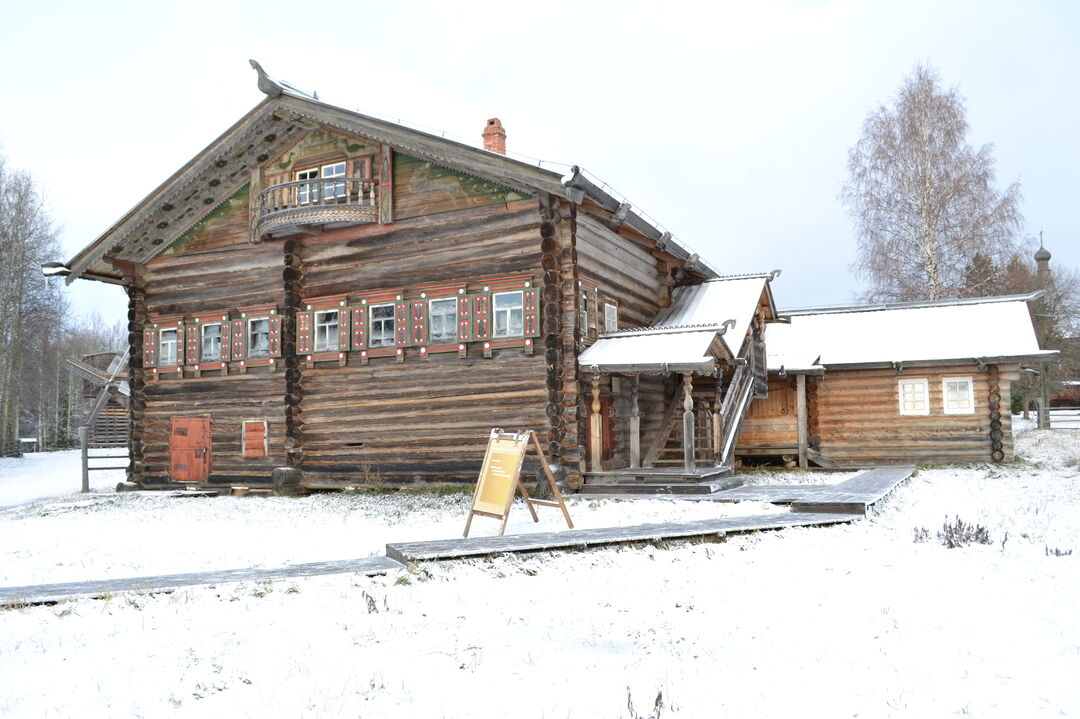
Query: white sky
{"x":728,"y":122}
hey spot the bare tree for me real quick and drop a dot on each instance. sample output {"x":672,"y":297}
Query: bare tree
{"x":923,"y":200}
{"x":30,"y":308}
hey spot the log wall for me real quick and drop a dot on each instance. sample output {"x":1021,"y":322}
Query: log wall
{"x":423,"y":418}
{"x":772,"y":422}
{"x":204,"y":281}
{"x":858,"y":420}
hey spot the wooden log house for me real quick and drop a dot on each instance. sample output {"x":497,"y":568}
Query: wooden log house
{"x":902,"y":383}
{"x":361,"y":301}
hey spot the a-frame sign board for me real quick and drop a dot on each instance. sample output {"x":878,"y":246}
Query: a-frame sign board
{"x":500,"y":476}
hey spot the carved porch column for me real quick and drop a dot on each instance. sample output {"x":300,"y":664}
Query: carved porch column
{"x":595,"y":427}
{"x":688,"y":422}
{"x":718,"y":420}
{"x":635,"y":425}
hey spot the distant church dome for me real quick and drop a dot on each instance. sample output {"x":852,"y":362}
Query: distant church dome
{"x":1042,"y":255}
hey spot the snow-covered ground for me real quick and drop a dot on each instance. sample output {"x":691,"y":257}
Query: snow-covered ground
{"x":42,"y":475}
{"x":841,"y":621}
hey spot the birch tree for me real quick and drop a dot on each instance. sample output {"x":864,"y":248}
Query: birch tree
{"x":923,"y":200}
{"x":29,"y":306}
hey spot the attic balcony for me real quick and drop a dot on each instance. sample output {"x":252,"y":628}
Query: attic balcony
{"x":307,"y":206}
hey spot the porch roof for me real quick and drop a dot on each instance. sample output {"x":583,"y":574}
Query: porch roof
{"x":732,"y":299}
{"x":671,"y":349}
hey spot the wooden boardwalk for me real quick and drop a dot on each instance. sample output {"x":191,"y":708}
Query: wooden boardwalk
{"x":585,"y":538}
{"x":42,"y":593}
{"x":811,"y":505}
{"x":853,"y":496}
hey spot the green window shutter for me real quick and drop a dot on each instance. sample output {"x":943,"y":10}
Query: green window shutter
{"x":305,"y":324}
{"x":401,"y":324}
{"x":464,"y":318}
{"x":531,"y":310}
{"x":418,"y":323}
{"x":239,"y":340}
{"x":359,"y":327}
{"x":150,"y":348}
{"x":344,"y":333}
{"x":274,"y":344}
{"x":192,"y":344}
{"x":481,"y":311}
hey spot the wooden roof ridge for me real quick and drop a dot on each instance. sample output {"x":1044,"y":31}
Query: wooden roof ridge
{"x":579,"y":187}
{"x":915,"y":305}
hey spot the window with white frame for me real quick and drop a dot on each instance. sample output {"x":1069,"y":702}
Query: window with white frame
{"x":509,"y":316}
{"x":382,"y":326}
{"x":442,"y":316}
{"x":611,"y":317}
{"x":258,"y":337}
{"x":167,"y":347}
{"x":319,"y":189}
{"x":914,"y":396}
{"x":326,"y":330}
{"x":211,"y":341}
{"x":958,"y":395}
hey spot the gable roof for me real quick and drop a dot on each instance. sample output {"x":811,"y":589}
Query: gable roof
{"x":225,"y":165}
{"x":681,"y":339}
{"x":990,"y":328}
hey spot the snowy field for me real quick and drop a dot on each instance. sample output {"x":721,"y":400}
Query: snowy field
{"x":842,"y":621}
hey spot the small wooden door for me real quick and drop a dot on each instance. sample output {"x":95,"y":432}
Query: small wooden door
{"x":189,"y":449}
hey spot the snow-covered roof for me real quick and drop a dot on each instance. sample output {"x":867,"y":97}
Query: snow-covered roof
{"x":675,"y":349}
{"x":682,"y":334}
{"x":963,"y":330}
{"x":714,"y":302}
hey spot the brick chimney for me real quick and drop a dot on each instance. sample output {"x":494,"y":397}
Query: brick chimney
{"x":495,"y":136}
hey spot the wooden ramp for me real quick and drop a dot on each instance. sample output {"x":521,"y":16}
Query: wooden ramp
{"x":585,"y":538}
{"x":44,"y":593}
{"x":853,"y":496}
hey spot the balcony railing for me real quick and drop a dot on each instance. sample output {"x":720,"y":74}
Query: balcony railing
{"x":293,"y":206}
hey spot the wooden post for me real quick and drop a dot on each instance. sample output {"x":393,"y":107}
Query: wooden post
{"x":635,"y":425}
{"x":84,"y":443}
{"x":1044,"y":401}
{"x":688,"y":422}
{"x":718,"y":420}
{"x":800,"y":408}
{"x":595,"y":427}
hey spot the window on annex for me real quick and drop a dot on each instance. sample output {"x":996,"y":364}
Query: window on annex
{"x":958,"y":395}
{"x":914,"y":396}
{"x":259,"y":337}
{"x":167,"y":347}
{"x":509,"y":317}
{"x":442,"y":317}
{"x":313,"y":192}
{"x":381,"y":333}
{"x":326,"y":330}
{"x":211,"y":341}
{"x":611,"y":317}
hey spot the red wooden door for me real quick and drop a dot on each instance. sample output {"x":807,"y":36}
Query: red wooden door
{"x":189,"y":449}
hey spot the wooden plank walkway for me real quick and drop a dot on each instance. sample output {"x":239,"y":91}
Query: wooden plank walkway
{"x":42,"y":593}
{"x":858,"y":493}
{"x":810,"y":504}
{"x":851,"y":496}
{"x":584,"y":538}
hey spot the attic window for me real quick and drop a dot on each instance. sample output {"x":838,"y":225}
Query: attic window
{"x":316,"y":191}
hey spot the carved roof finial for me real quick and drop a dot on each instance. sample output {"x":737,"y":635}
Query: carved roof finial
{"x":266,"y":84}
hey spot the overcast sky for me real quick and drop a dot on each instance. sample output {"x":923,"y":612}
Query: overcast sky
{"x":727,"y":122}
